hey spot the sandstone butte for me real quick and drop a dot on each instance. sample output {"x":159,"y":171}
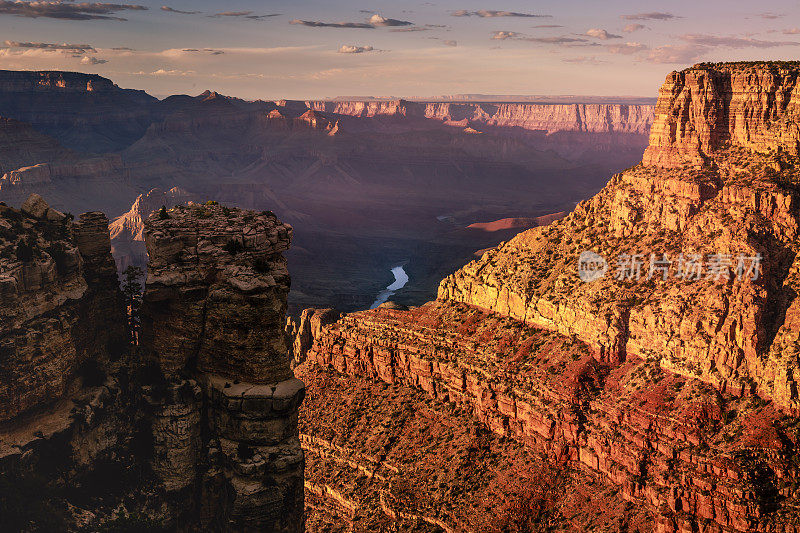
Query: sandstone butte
{"x":682,"y":393}
{"x":195,"y":431}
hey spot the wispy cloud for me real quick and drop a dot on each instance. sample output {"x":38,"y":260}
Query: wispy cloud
{"x":352,"y":49}
{"x":379,"y":21}
{"x":244,"y":14}
{"x":602,"y":34}
{"x":450,"y":43}
{"x":490,"y":13}
{"x":555,"y":40}
{"x":626,"y":48}
{"x":548,"y":26}
{"x":171,"y":10}
{"x":317,"y":24}
{"x":91,"y":60}
{"x":683,"y":53}
{"x":771,"y":16}
{"x":503,"y":35}
{"x":66,"y":11}
{"x":656,"y":15}
{"x":630,"y":28}
{"x":63,"y":47}
{"x":584,"y":59}
{"x":733,"y":42}
{"x":210,"y":51}
{"x":411,"y":29}
{"x":791,"y":31}
{"x":375,"y":21}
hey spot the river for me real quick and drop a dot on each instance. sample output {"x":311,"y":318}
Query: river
{"x":400,"y":280}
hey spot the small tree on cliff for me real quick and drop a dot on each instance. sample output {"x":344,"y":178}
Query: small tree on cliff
{"x":132,"y":289}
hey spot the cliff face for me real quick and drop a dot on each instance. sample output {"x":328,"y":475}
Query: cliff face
{"x":61,"y":304}
{"x":549,"y":118}
{"x":213,"y":317}
{"x":83,"y":111}
{"x":680,"y":388}
{"x":705,"y":108}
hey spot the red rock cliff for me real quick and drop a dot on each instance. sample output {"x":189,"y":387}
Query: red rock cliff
{"x":708,"y":107}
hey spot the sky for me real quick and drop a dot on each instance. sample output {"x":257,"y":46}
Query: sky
{"x":303,"y":49}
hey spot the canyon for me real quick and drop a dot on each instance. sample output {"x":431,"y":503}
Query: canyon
{"x":678,"y":390}
{"x":658,"y":395}
{"x":363,"y":182}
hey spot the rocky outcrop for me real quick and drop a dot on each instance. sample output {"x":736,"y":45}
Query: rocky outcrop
{"x":127,"y":230}
{"x":61,"y":305}
{"x":708,"y":107}
{"x":675,"y":445}
{"x":213,"y":317}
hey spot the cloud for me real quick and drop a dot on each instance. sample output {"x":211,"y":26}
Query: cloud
{"x":791,"y":31}
{"x":733,"y":42}
{"x":123,"y":49}
{"x":89,"y":60}
{"x":602,"y":34}
{"x":771,"y":16}
{"x":171,"y":10}
{"x":167,"y":72}
{"x":64,"y":47}
{"x":503,"y":35}
{"x":583,"y":59}
{"x":683,"y":53}
{"x":377,"y":21}
{"x":352,"y":49}
{"x":412,"y":28}
{"x":244,"y":14}
{"x":548,"y":26}
{"x":651,"y":16}
{"x":625,"y":49}
{"x":630,"y":28}
{"x":210,"y":51}
{"x":316,"y":24}
{"x":489,"y":13}
{"x":555,"y":40}
{"x":450,"y":43}
{"x":66,"y":11}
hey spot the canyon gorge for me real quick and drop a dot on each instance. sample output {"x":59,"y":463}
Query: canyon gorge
{"x":498,"y":391}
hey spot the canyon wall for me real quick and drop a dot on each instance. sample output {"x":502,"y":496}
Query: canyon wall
{"x":549,"y":118}
{"x":194,"y":429}
{"x":679,"y":386}
{"x":61,"y":304}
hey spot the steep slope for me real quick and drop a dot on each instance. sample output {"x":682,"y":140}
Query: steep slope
{"x":677,"y":385}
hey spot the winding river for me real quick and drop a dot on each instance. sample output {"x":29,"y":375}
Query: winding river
{"x":400,"y":280}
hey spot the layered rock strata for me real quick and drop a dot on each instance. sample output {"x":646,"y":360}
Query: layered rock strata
{"x":678,"y":385}
{"x":213,"y":318}
{"x":61,"y":305}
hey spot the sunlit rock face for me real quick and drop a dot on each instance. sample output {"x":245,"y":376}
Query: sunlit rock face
{"x":213,"y":319}
{"x":708,"y":107}
{"x":680,"y":389}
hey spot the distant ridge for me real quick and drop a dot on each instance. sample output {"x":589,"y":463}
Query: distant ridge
{"x":496,"y":98}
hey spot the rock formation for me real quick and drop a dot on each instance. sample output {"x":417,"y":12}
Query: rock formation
{"x":679,"y":388}
{"x":195,"y":430}
{"x":61,"y":306}
{"x":212,"y":317}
